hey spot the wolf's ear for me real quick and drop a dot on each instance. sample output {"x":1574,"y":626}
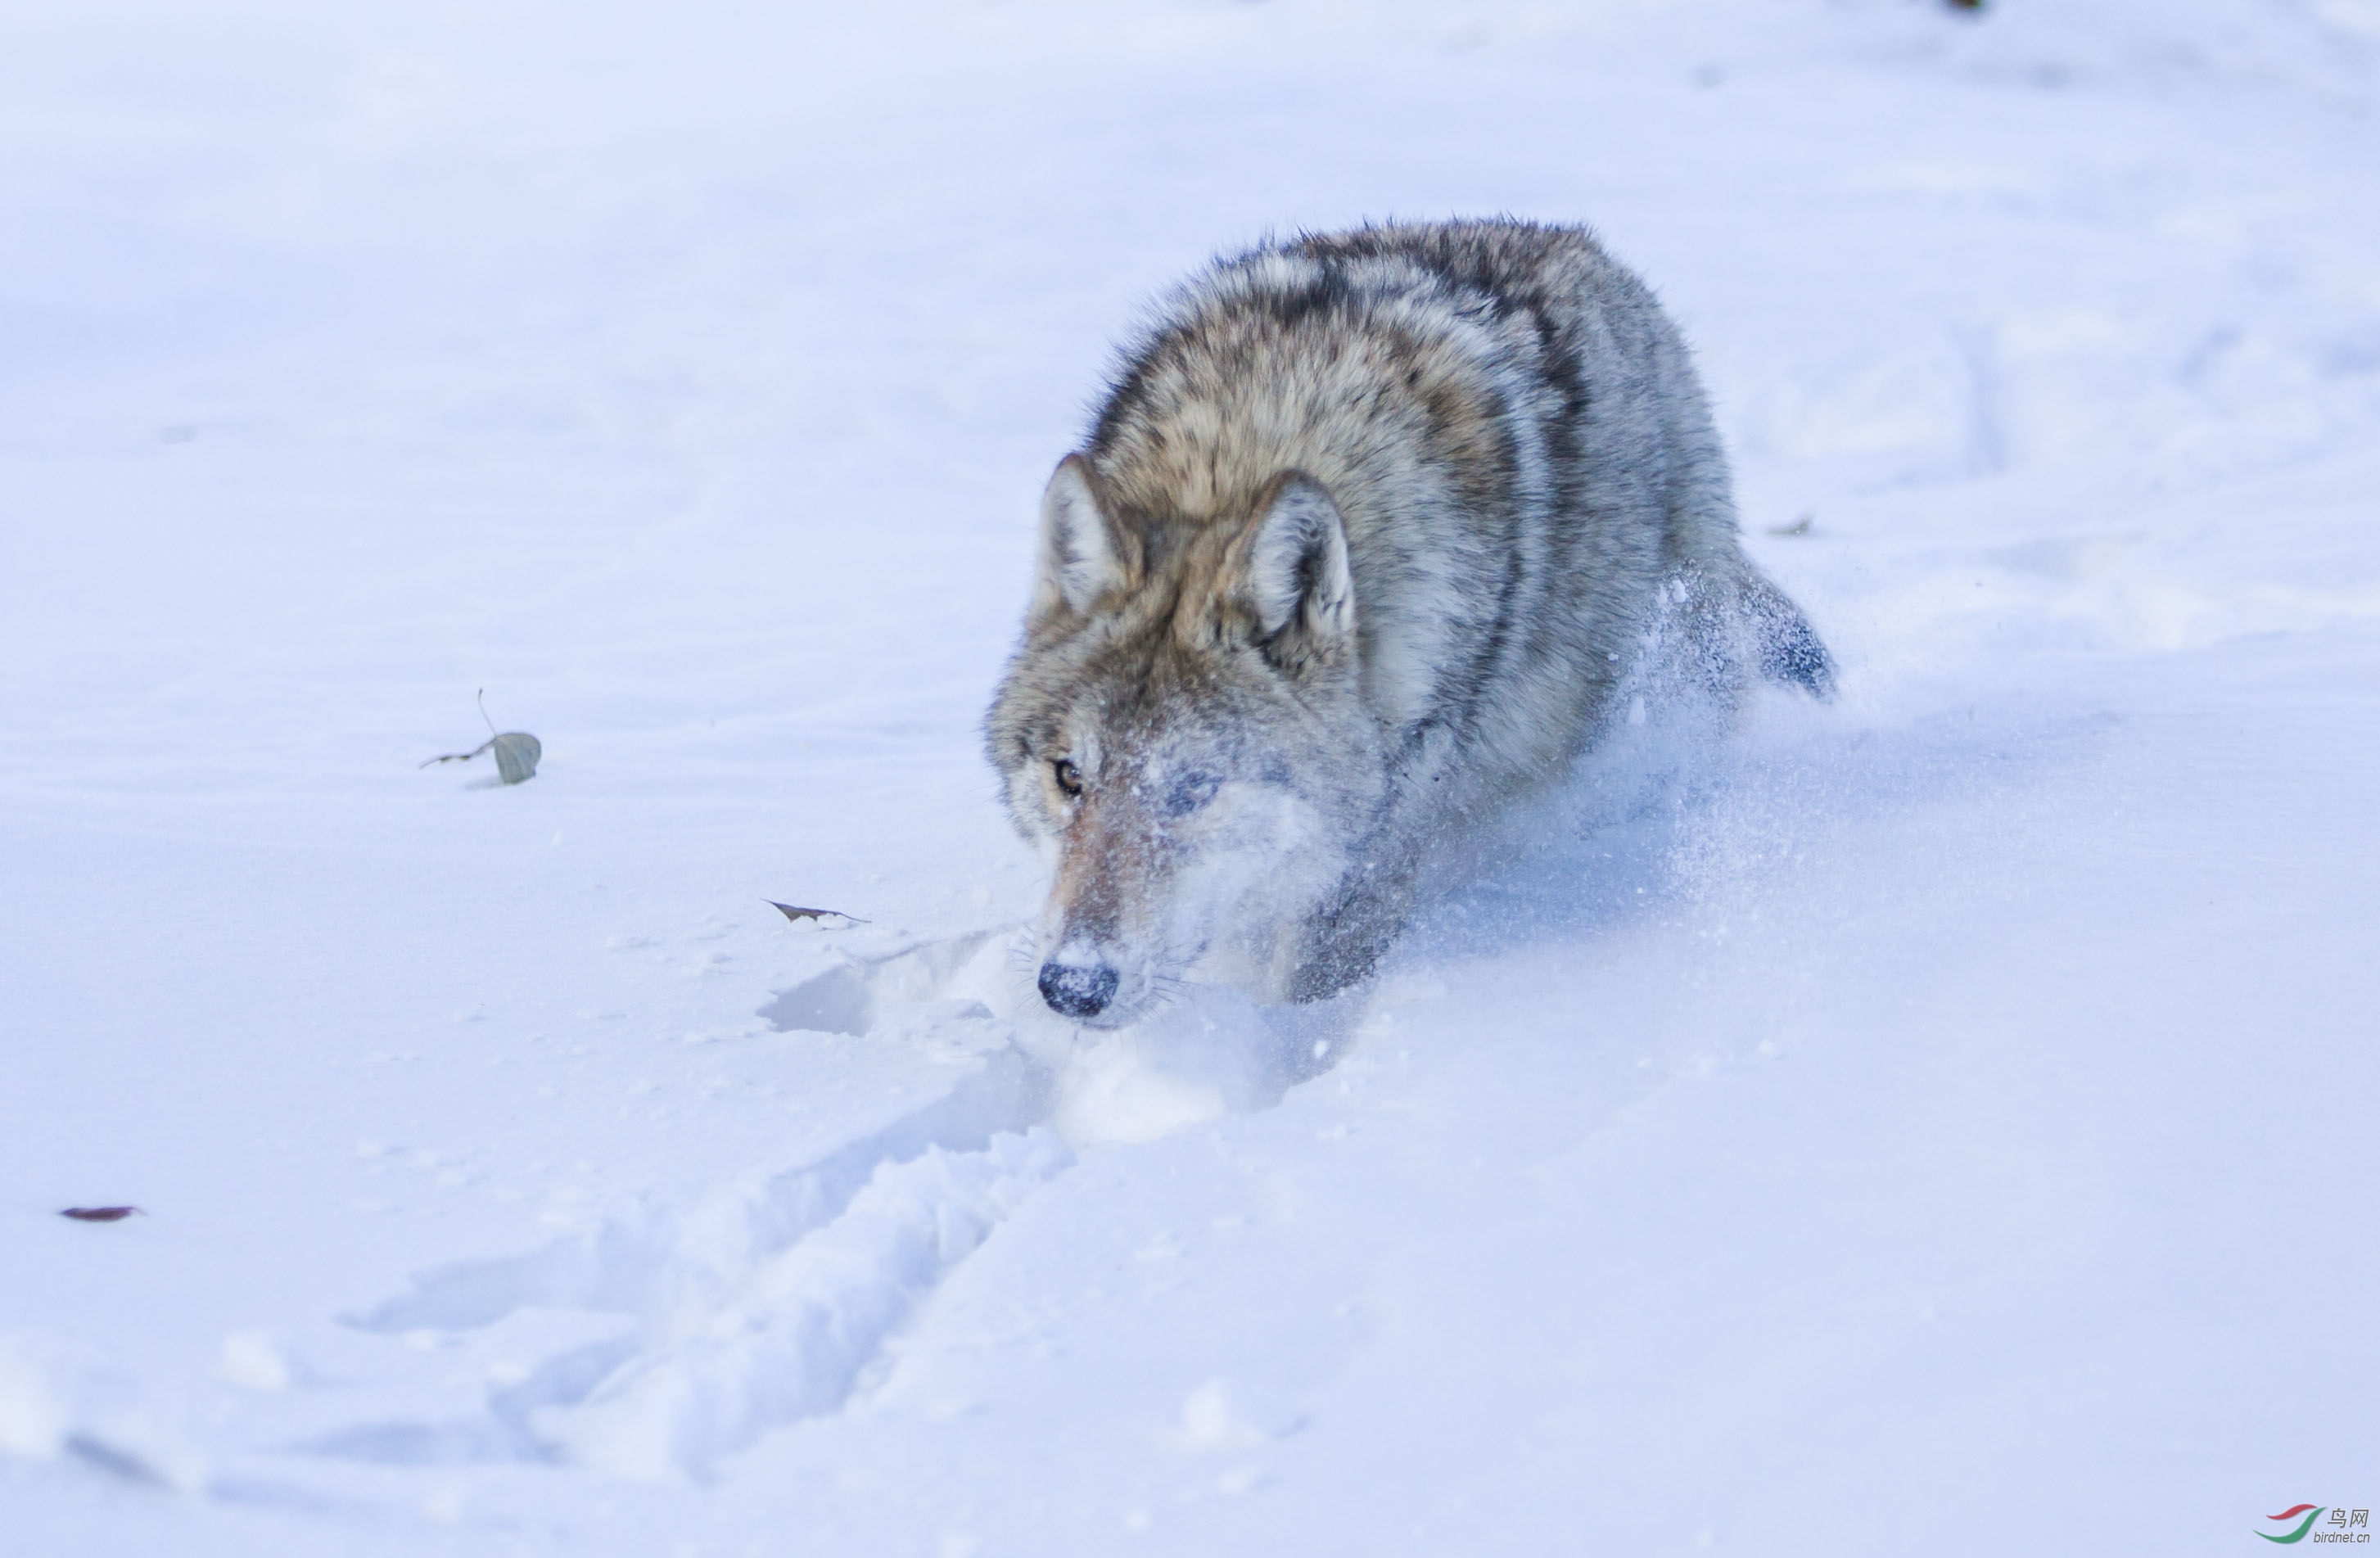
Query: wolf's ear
{"x":1080,"y":561}
{"x":1298,"y":583}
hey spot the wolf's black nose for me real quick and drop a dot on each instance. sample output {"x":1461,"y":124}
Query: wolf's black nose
{"x":1077,"y":992}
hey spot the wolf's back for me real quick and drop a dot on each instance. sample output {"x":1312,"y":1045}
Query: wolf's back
{"x":1522,"y":454}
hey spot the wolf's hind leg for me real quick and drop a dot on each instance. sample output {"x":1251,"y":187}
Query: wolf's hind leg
{"x":1783,"y":644}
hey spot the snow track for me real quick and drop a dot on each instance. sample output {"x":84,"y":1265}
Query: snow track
{"x":789,"y":1339}
{"x":763,"y":1302}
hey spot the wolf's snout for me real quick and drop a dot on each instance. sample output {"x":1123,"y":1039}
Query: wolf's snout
{"x":1076,"y":991}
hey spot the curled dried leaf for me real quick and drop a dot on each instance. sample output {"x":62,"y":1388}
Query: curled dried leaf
{"x":814,"y":918}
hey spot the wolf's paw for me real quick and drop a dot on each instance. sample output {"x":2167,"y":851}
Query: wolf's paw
{"x":1205,"y":1054}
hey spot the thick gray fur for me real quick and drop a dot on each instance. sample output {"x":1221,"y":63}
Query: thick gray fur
{"x":1368,"y":533}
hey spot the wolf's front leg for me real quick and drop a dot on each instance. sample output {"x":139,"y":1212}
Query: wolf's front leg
{"x":1344,"y":942}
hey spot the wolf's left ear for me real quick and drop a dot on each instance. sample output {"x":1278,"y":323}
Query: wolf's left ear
{"x":1080,"y":559}
{"x":1298,"y":580}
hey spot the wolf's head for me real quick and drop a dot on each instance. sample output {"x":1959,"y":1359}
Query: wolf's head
{"x":1185,"y":736}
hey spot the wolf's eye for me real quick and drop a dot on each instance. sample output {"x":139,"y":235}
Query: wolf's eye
{"x":1070,"y":778}
{"x":1189,"y":793}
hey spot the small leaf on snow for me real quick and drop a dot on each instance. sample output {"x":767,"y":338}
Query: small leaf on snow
{"x":517,"y":755}
{"x":100,"y":1214}
{"x":814,"y":918}
{"x":516,"y":751}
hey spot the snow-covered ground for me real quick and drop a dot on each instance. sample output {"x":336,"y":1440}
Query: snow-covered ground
{"x":1946,"y":1121}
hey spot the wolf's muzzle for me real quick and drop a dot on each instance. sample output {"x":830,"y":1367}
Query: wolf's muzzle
{"x":1075,"y":992}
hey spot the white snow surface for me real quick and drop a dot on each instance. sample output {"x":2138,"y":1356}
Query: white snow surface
{"x":1943,"y":1121}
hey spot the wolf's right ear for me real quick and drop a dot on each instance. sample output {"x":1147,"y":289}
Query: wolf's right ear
{"x":1297,"y":581}
{"x":1080,"y":559}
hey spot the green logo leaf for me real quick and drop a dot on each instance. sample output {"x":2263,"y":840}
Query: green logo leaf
{"x":2299,"y":1535}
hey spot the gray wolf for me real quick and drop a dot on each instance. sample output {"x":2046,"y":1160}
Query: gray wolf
{"x":1366,"y":532}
